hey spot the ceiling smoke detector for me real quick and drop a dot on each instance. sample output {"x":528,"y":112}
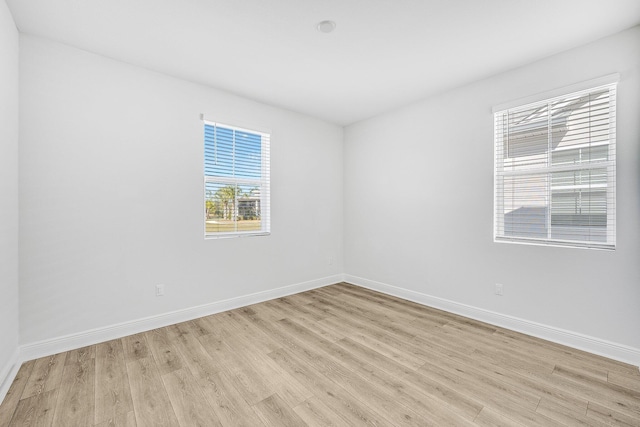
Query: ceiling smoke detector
{"x":326,"y":26}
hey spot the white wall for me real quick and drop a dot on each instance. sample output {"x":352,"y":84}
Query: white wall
{"x":111,"y":195}
{"x":419,"y":204}
{"x":8,"y":191}
{"x":111,"y":189}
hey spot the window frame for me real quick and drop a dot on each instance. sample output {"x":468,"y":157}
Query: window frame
{"x":547,"y":172}
{"x":263,"y":182}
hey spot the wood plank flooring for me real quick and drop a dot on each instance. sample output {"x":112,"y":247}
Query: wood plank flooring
{"x":335,"y":356}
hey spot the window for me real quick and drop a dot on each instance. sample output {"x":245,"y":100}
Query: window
{"x":236,"y":181}
{"x":555,"y":176}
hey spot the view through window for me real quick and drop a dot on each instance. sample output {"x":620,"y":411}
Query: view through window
{"x":236,"y":181}
{"x":555,"y":170}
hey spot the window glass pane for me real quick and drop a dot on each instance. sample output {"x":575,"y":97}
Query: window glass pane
{"x":220,"y":207}
{"x":218,"y":151}
{"x":579,"y":215}
{"x":526,"y":139}
{"x":249,"y":208}
{"x":525,"y":206}
{"x":248,"y":163}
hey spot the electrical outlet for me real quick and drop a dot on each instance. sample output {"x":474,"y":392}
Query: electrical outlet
{"x":330,"y":260}
{"x":159,"y":290}
{"x":499,"y":289}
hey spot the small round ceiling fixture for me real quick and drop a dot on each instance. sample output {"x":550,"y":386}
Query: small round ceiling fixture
{"x":326,"y":26}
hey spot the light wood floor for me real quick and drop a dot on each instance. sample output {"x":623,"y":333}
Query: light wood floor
{"x":339,"y":355}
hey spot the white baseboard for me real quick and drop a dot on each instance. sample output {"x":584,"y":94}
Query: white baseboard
{"x":69,"y":342}
{"x":48,"y":347}
{"x":576,"y":340}
{"x":8,"y":373}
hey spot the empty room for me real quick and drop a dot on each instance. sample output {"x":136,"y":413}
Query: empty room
{"x":319,"y":213}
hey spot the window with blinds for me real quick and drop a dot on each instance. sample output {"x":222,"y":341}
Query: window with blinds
{"x":236,"y":181}
{"x":555,"y":170}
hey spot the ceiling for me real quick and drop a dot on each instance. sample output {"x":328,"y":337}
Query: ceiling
{"x":382,"y":55}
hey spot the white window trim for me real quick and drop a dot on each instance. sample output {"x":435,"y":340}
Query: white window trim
{"x":264,"y":183}
{"x":549,"y":97}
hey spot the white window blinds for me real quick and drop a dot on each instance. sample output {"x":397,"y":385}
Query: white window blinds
{"x":555,"y":170}
{"x":236,"y":181}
